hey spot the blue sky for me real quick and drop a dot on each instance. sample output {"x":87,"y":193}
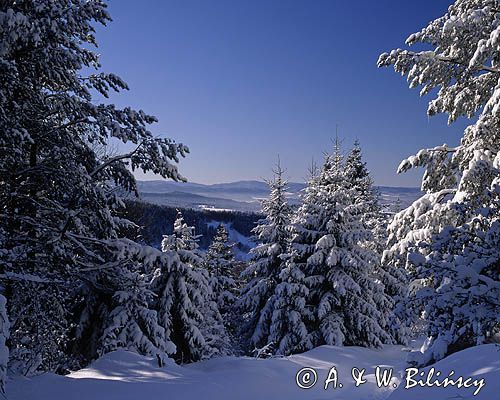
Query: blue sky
{"x":241,"y":81}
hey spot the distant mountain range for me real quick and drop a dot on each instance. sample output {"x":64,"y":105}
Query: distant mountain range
{"x":241,"y":195}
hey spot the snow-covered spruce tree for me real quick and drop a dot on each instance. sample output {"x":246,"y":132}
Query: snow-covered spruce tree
{"x":288,"y":332}
{"x":396,"y":207}
{"x":58,"y":205}
{"x":221,"y":266}
{"x":262,"y":274}
{"x":327,"y":245}
{"x":393,"y":280}
{"x":185,"y":305}
{"x":219,"y":262}
{"x":449,"y":240}
{"x":367,"y":197}
{"x":131,"y":324}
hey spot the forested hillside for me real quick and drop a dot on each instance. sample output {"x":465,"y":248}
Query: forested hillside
{"x":154,"y":221}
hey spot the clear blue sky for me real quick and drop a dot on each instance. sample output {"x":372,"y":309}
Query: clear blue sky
{"x":241,"y":81}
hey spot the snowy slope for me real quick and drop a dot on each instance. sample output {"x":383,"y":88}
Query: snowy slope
{"x":126,"y":376}
{"x":479,"y":362}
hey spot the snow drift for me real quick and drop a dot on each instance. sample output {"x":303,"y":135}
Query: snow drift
{"x":123,"y":375}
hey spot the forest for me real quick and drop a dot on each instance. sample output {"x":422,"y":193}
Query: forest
{"x":86,"y":270}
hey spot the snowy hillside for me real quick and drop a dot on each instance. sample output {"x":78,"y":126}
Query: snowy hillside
{"x":123,"y":375}
{"x":242,"y":195}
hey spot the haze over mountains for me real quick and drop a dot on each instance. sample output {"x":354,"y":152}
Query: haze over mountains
{"x":241,"y":195}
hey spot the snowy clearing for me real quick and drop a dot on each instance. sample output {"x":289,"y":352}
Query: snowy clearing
{"x":123,"y":375}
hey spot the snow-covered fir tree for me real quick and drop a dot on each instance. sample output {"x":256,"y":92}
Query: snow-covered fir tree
{"x":449,"y":240}
{"x":185,"y":305}
{"x":60,"y":211}
{"x":262,"y":274}
{"x":327,"y":245}
{"x":393,"y":280}
{"x":288,"y":331}
{"x":132,"y":325}
{"x":367,"y":197}
{"x":291,"y":314}
{"x":219,"y":262}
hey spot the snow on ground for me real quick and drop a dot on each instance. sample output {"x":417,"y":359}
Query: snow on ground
{"x":482,"y":362}
{"x":123,"y":375}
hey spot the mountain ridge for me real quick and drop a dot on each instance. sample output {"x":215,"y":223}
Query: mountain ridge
{"x":244,"y":195}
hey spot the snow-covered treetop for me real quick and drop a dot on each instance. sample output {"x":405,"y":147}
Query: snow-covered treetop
{"x":355,"y":166}
{"x":183,"y":237}
{"x":220,"y":248}
{"x":273,"y":229}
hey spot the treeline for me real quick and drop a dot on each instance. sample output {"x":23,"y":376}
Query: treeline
{"x":154,"y":221}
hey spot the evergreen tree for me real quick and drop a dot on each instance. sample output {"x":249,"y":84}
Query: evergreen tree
{"x":133,"y":325}
{"x":219,"y":262}
{"x":327,"y":246}
{"x":60,"y":211}
{"x":393,"y":281}
{"x":292,"y":315}
{"x":184,"y":296}
{"x":214,"y":330}
{"x":271,"y":234}
{"x":449,"y":240}
{"x":288,"y":331}
{"x":367,"y":197}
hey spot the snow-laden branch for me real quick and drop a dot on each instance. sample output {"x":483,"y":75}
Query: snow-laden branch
{"x":111,"y":160}
{"x":457,"y":62}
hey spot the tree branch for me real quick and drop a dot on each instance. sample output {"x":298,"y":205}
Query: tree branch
{"x":482,"y":67}
{"x":111,"y":160}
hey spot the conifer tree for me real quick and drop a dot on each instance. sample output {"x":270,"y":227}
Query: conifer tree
{"x":288,"y":331}
{"x":271,"y":234}
{"x":367,"y":197}
{"x":184,"y":295}
{"x":449,"y":240}
{"x":219,"y":262}
{"x":396,"y":206}
{"x":394,"y":282}
{"x":132,"y":325}
{"x":327,"y":245}
{"x":60,"y":211}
